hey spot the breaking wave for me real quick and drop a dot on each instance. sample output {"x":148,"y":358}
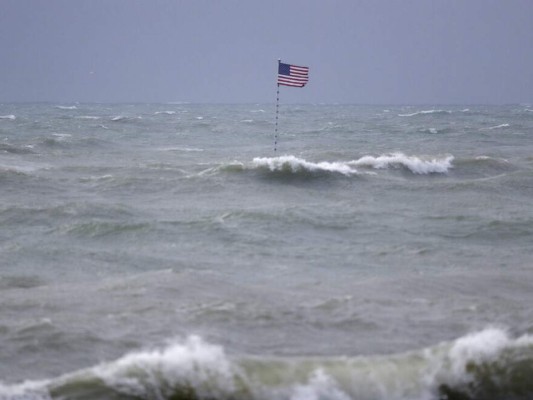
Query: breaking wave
{"x":93,"y":117}
{"x":292,"y":164}
{"x":10,"y":117}
{"x":165,"y":112}
{"x":490,"y":364}
{"x":426,"y":112}
{"x":497,"y":127}
{"x":417,"y":165}
{"x":178,"y":148}
{"x":123,"y":118}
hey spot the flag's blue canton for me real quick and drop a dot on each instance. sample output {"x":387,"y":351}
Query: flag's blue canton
{"x":284,"y":69}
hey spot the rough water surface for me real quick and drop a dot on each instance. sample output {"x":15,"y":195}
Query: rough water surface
{"x":165,"y":251}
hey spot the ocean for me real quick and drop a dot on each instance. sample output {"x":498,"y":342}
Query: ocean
{"x":166,"y":251}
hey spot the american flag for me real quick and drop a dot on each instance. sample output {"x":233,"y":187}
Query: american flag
{"x":292,"y":75}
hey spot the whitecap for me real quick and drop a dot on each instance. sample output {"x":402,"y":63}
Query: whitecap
{"x":425,"y":112}
{"x":67,"y":107}
{"x":191,"y":364}
{"x":497,"y":127}
{"x":88,"y":117}
{"x":194,"y":149}
{"x":165,"y":112}
{"x":417,"y":165}
{"x":10,"y":117}
{"x":119,"y":118}
{"x":202,"y":370}
{"x":295,"y":164}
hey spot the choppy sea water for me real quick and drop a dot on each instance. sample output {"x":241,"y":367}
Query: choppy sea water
{"x":165,"y":251}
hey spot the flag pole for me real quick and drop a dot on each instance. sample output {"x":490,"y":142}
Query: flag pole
{"x":277,"y":112}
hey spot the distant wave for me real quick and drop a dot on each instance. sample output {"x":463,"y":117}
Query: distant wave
{"x":483,"y":167}
{"x":489,"y":364}
{"x":122,"y":118}
{"x":497,"y":127}
{"x":8,"y":148}
{"x":67,"y":107}
{"x":187,"y":149}
{"x":435,"y":130}
{"x":425,"y":112}
{"x":88,"y":117}
{"x":104,"y":228}
{"x":23,"y":169}
{"x":165,"y":112}
{"x":417,"y":165}
{"x":10,"y":117}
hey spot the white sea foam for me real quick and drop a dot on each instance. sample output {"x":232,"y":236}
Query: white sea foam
{"x":295,"y":164}
{"x":479,"y":348}
{"x":319,"y":386}
{"x":417,"y":165}
{"x":88,"y":117}
{"x":194,"y":364}
{"x":203,"y":370}
{"x":67,"y":107}
{"x":10,"y":117}
{"x":124,"y":118}
{"x":425,"y":112}
{"x":497,"y":127}
{"x":165,"y":112}
{"x":206,"y":368}
{"x":181,"y":149}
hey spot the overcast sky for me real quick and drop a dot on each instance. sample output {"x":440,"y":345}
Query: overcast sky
{"x":226,"y":51}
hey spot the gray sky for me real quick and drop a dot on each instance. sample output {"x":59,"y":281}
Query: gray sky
{"x":226,"y":51}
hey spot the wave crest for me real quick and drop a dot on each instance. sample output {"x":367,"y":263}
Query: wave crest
{"x":426,"y":112}
{"x":417,"y":165}
{"x":489,"y":364}
{"x":294,"y":164}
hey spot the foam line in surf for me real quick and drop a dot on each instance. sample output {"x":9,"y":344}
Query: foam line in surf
{"x":417,"y":165}
{"x":486,"y":364}
{"x":294,"y":164}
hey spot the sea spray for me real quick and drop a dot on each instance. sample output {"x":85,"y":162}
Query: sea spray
{"x":417,"y":165}
{"x":294,"y":164}
{"x":420,"y":165}
{"x":488,"y":364}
